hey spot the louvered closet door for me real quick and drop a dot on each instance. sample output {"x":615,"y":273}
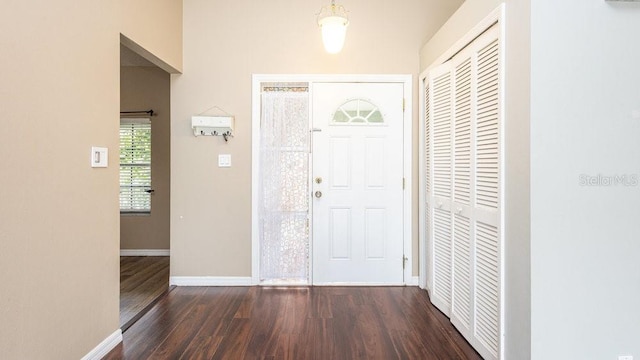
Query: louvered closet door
{"x":440,"y":212}
{"x":428,"y":180}
{"x":462,"y":257}
{"x":487,"y":201}
{"x":462,"y":151}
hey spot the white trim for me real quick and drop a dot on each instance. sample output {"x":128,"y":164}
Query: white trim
{"x":293,"y":283}
{"x":407,"y":80}
{"x":408,"y":177}
{"x":255,"y":177}
{"x":501,"y":14}
{"x":211,"y":281}
{"x":145,"y":252}
{"x":422,"y":196}
{"x":413,"y":281}
{"x":348,"y":283}
{"x":105,"y":346}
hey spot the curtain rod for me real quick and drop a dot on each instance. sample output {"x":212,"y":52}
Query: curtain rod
{"x":150,"y":112}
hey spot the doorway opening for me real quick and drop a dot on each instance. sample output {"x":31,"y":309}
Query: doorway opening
{"x":331,"y":180}
{"x":144,"y":185}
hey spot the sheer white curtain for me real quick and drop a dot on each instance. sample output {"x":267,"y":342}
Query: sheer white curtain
{"x":284,"y":195}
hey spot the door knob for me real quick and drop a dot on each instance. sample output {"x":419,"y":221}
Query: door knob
{"x":318,"y":194}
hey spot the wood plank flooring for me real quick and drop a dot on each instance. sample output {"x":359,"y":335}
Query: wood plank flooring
{"x":293,"y":323}
{"x":143,"y":279}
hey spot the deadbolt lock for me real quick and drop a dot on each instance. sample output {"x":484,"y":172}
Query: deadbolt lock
{"x":318,"y":180}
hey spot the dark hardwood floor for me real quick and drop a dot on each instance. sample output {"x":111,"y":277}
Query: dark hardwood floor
{"x":143,"y":279}
{"x":293,"y":323}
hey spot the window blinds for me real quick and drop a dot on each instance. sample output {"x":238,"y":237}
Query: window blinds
{"x":135,"y":165}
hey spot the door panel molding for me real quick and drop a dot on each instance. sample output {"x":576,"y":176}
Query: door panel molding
{"x":342,"y":151}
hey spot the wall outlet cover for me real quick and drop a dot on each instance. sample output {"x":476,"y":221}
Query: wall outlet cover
{"x":224,"y":160}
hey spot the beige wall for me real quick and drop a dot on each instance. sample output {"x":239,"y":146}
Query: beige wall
{"x":59,"y":227}
{"x":470,"y":13}
{"x":142,"y":88}
{"x":153,"y":28}
{"x":517,"y":286}
{"x":225,"y":43}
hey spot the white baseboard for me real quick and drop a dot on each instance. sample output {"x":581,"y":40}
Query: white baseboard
{"x":210,"y":281}
{"x":247,"y":281}
{"x":105,"y":346}
{"x":144,"y":252}
{"x":358,"y":284}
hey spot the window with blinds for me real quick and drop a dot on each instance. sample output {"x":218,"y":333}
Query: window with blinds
{"x":135,"y":165}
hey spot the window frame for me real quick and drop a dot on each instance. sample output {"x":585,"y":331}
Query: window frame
{"x":143,"y":124}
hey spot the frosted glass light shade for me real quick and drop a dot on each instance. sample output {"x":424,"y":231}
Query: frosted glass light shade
{"x":334,"y":30}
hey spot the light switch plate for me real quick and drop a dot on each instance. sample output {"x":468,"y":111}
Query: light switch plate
{"x":224,"y":160}
{"x":99,"y":157}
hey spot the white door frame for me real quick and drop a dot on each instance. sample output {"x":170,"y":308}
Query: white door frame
{"x":407,"y":81}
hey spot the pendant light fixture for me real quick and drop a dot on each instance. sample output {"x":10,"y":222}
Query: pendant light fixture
{"x":333,"y":21}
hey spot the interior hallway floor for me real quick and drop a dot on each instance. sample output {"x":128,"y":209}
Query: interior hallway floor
{"x":293,"y":323}
{"x":143,"y":280}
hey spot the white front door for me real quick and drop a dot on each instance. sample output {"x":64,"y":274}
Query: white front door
{"x":357,"y":183}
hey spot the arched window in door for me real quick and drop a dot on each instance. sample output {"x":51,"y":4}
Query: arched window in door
{"x":357,"y":111}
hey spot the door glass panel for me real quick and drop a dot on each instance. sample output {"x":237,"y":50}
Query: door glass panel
{"x":284,"y":169}
{"x":357,"y":112}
